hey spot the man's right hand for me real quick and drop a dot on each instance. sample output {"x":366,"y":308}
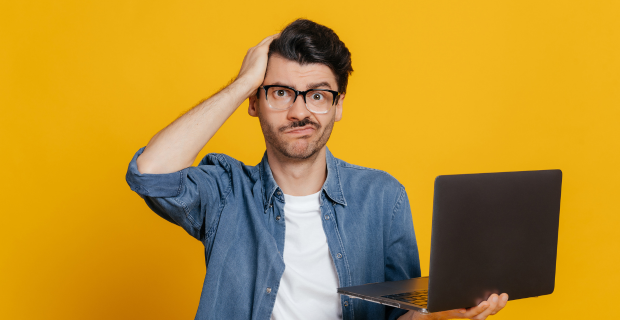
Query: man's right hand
{"x":254,"y":64}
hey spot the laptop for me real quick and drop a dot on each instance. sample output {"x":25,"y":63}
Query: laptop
{"x":492,"y":233}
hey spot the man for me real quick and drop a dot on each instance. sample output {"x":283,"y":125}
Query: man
{"x":281,"y":236}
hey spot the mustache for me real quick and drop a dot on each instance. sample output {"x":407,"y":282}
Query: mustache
{"x":302,"y":123}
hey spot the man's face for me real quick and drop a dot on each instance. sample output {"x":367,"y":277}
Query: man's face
{"x":296,"y":133}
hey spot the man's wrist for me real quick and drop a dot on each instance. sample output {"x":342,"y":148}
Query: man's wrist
{"x":243,"y":86}
{"x":414,"y":315}
{"x":422,"y":316}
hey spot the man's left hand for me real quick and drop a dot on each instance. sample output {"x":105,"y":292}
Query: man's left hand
{"x":492,"y":306}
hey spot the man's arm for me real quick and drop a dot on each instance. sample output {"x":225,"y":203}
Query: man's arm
{"x":176,"y":146}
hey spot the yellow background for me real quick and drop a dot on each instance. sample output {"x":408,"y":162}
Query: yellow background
{"x":440,"y":87}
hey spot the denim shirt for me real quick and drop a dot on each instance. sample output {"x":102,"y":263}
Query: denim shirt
{"x":237,"y":212}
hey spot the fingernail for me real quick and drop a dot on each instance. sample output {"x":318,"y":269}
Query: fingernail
{"x":462,"y":311}
{"x":505,"y":298}
{"x":495,"y":299}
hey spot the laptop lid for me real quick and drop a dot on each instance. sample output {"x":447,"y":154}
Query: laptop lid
{"x":493,"y":233}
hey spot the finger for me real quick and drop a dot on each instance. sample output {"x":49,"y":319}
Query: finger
{"x":493,"y":302}
{"x":474,"y":311}
{"x":458,"y":314}
{"x":268,"y":40}
{"x":503,"y":300}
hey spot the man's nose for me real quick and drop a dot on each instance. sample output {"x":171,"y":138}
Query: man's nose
{"x":298,"y":111}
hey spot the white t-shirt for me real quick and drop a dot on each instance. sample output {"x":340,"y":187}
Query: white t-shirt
{"x":308,"y":286}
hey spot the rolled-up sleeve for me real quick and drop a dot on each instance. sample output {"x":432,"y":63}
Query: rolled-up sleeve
{"x":189,"y":198}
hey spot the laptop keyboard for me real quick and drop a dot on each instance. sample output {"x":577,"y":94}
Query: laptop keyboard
{"x":419,"y":298}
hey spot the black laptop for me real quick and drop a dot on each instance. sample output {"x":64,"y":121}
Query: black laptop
{"x":491,"y":233}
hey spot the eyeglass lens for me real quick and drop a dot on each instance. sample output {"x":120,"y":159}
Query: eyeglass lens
{"x":282,"y":98}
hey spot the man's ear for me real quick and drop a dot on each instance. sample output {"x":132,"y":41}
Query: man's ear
{"x":253,"y":106}
{"x":339,"y":107}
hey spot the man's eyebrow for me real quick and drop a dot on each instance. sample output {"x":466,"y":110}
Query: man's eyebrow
{"x":278,"y":83}
{"x":318,"y":85}
{"x":310,"y":86}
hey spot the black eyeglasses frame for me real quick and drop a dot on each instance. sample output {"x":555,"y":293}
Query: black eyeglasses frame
{"x":297,"y":93}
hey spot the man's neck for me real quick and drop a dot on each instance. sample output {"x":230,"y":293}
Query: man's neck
{"x":298,"y":177}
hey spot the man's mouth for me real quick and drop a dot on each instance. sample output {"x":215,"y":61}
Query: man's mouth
{"x":301,"y":130}
{"x":304,"y":126}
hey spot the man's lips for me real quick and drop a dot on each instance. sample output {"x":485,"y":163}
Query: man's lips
{"x":301,"y":130}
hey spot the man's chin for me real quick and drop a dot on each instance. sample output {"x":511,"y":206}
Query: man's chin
{"x":299,"y":151}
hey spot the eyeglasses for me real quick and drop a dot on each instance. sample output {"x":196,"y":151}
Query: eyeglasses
{"x":316,"y":100}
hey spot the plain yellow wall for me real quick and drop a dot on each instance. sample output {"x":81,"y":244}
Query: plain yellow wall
{"x":440,"y":87}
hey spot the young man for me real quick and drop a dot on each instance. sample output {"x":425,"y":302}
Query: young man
{"x":281,"y":236}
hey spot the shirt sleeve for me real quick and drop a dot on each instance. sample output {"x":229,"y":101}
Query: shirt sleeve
{"x":190,"y":198}
{"x":401,"y":260}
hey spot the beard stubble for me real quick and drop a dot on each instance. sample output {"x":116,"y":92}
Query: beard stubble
{"x":293,"y":150}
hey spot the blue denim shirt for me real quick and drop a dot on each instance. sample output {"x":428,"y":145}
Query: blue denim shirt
{"x":237,"y":212}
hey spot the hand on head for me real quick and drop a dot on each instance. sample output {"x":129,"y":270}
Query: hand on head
{"x":254,"y":64}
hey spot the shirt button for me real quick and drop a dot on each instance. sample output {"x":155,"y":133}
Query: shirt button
{"x":277,"y":218}
{"x":326,"y":217}
{"x":339,"y":255}
{"x":271,"y":206}
{"x":279,"y":193}
{"x":268,"y":290}
{"x":346,"y":303}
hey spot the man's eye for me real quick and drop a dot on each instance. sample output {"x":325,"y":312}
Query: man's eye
{"x":317,"y":96}
{"x":280,"y":93}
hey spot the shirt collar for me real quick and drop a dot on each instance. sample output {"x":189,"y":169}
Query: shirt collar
{"x":332,"y":185}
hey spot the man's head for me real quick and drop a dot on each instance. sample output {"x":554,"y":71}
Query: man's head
{"x":305,"y":56}
{"x":307,"y":42}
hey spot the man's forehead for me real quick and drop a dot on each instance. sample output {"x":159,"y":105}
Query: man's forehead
{"x":291,"y":73}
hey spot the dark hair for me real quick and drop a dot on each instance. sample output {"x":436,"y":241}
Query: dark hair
{"x":305,"y":41}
